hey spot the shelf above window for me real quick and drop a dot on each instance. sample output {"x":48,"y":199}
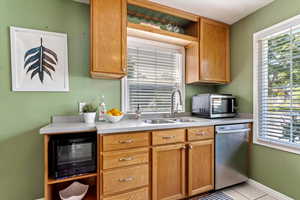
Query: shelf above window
{"x":146,"y":32}
{"x":146,"y":17}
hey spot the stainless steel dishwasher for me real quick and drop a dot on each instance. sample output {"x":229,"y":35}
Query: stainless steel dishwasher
{"x":231,"y":151}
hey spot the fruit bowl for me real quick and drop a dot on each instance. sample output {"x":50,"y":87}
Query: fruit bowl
{"x":113,"y":119}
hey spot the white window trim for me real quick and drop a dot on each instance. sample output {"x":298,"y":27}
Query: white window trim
{"x":294,"y":21}
{"x":134,"y":40}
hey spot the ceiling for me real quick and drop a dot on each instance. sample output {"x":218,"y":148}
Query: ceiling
{"x":228,"y":11}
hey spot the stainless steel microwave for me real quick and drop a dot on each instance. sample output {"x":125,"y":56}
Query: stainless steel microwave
{"x":214,"y":105}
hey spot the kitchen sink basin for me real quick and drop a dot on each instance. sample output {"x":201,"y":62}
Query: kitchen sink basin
{"x":159,"y":121}
{"x":167,"y":121}
{"x":182,"y":120}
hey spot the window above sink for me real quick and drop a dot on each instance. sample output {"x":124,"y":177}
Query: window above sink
{"x":155,"y":70}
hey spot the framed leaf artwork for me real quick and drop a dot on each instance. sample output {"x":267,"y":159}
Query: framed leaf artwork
{"x":39,"y":60}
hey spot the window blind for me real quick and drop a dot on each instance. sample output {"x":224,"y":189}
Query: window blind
{"x":279,"y":87}
{"x":153,"y":73}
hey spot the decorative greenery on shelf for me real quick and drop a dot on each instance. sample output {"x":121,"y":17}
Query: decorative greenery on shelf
{"x":89,"y":108}
{"x":156,"y":24}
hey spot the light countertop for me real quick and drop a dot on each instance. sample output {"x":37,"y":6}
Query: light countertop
{"x":129,"y":125}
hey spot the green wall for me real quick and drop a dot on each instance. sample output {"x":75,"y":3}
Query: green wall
{"x":276,"y":169}
{"x":23,"y":113}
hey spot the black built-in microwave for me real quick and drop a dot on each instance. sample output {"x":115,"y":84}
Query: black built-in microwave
{"x":214,"y":105}
{"x":72,"y":154}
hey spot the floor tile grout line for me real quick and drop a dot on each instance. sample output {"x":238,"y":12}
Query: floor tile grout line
{"x":241,"y":194}
{"x":247,"y":197}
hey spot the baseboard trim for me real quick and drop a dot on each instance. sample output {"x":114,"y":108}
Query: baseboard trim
{"x":268,"y":190}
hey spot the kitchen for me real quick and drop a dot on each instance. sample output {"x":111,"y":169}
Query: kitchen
{"x":201,"y":54}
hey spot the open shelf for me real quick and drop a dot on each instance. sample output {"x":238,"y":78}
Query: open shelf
{"x":54,"y":188}
{"x":150,"y":17}
{"x":74,"y":178}
{"x":162,"y":32}
{"x":164,"y":9}
{"x":92,"y":194}
{"x":146,"y":32}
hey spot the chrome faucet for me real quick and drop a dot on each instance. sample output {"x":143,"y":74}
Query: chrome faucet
{"x":138,"y":112}
{"x":173,"y":110}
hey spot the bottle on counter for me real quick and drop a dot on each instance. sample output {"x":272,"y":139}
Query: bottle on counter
{"x":102,"y":110}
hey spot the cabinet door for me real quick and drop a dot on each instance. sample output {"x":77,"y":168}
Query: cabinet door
{"x":192,"y":70}
{"x":200,"y":167}
{"x":108,"y":38}
{"x":168,"y":172}
{"x":214,"y":52}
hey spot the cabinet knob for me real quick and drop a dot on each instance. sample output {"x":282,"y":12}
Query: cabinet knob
{"x":183,"y":147}
{"x":190,"y":146}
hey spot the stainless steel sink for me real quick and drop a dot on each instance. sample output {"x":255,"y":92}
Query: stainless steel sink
{"x":167,"y":121}
{"x":182,"y":120}
{"x":159,"y":121}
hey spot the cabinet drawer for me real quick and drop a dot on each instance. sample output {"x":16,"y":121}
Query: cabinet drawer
{"x":200,"y":133}
{"x":125,"y":158}
{"x":168,"y":136}
{"x":124,"y":179}
{"x":141,"y":194}
{"x":125,"y":141}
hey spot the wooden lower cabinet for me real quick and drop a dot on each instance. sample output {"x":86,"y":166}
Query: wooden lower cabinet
{"x":124,"y":179}
{"x":200,"y":167}
{"x":140,"y":194}
{"x":168,"y":172}
{"x":159,"y":165}
{"x":124,"y":158}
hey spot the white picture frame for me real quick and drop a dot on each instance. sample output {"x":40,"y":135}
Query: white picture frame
{"x":39,"y":60}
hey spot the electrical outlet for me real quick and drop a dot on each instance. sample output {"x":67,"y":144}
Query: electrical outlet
{"x":80,"y":106}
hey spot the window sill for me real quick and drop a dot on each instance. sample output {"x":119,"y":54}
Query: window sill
{"x":277,"y":145}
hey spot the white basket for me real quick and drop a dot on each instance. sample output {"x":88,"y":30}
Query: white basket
{"x":76,"y":191}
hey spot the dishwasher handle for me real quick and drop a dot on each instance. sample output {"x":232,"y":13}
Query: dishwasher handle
{"x":233,"y":131}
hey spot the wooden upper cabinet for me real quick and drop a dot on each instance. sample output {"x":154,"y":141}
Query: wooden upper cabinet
{"x":108,"y":38}
{"x":168,"y":172}
{"x":214,"y":52}
{"x":200,"y":167}
{"x":207,"y":61}
{"x":192,"y":61}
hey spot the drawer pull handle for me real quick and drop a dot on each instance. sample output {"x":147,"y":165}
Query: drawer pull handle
{"x":201,"y":133}
{"x":169,"y":137}
{"x":126,"y":141}
{"x":126,"y":159}
{"x":126,"y":179}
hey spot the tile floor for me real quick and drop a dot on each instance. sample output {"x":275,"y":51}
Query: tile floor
{"x":246,"y":192}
